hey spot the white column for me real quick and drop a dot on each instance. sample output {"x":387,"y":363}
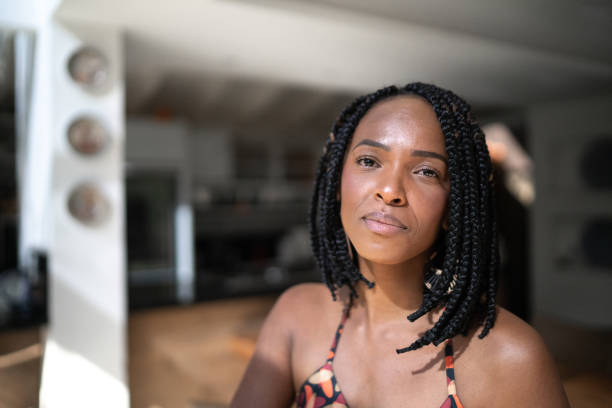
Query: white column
{"x":84,"y":361}
{"x":185,"y":237}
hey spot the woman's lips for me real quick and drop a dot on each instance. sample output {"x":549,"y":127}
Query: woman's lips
{"x":382,"y":223}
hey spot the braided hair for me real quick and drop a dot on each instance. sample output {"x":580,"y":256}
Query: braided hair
{"x":466,"y":254}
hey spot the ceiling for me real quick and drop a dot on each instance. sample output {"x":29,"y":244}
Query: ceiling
{"x":296,"y":62}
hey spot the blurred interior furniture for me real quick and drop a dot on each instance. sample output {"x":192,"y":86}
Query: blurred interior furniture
{"x":215,"y":212}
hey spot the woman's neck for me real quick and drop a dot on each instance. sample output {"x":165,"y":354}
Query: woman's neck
{"x":398,"y":291}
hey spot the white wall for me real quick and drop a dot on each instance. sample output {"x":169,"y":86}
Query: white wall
{"x":211,"y":153}
{"x":26,"y":14}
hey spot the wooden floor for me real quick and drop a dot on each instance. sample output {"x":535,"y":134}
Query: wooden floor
{"x":194,"y":356}
{"x":19,"y":368}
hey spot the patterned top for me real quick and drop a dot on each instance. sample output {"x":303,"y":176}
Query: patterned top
{"x":321,"y":389}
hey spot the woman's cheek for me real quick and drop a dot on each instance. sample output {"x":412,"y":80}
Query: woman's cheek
{"x":350,"y":190}
{"x":438,"y":203}
{"x":349,"y":186}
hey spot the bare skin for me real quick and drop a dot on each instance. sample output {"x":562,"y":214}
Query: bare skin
{"x":394,"y":193}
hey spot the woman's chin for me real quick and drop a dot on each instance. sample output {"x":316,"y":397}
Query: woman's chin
{"x":385,"y":258}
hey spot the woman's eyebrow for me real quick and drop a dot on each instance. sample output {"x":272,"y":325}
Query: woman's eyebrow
{"x":420,"y":153}
{"x":370,"y":142}
{"x":426,"y":153}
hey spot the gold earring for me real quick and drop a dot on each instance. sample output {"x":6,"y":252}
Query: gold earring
{"x":435,"y":278}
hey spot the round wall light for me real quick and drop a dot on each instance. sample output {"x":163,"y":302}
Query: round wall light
{"x":89,"y":68}
{"x":87,"y":136}
{"x":88,"y":204}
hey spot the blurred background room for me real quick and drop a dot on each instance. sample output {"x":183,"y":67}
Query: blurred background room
{"x":157,"y":157}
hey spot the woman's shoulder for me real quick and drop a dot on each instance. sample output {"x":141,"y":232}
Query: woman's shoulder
{"x":305,"y":293}
{"x":513,"y":342}
{"x":513,"y":362}
{"x":302,"y":309}
{"x":270,"y":367}
{"x":510,"y":342}
{"x":306,"y":301}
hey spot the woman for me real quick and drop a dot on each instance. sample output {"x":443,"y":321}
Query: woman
{"x":402,"y":225}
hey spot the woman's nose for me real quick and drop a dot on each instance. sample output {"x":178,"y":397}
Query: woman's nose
{"x":392,"y":193}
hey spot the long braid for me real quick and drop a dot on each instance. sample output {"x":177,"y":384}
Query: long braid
{"x":463,"y":302}
{"x":468,"y":251}
{"x":493,"y":271}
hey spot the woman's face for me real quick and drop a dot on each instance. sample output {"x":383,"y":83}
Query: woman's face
{"x":395,"y":185}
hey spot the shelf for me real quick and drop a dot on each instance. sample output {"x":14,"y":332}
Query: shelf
{"x":244,"y":219}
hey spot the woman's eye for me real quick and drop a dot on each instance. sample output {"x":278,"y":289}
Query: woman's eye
{"x":367,"y":162}
{"x":427,"y":172}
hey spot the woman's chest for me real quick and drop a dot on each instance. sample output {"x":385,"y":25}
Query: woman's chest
{"x":370,"y":374}
{"x":384,"y":378}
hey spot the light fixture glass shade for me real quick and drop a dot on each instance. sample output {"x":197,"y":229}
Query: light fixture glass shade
{"x":88,"y":204}
{"x":87,"y":136}
{"x":89,"y":68}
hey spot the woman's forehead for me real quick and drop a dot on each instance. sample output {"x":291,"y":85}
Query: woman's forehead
{"x":412,"y":107}
{"x":402,"y":119}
